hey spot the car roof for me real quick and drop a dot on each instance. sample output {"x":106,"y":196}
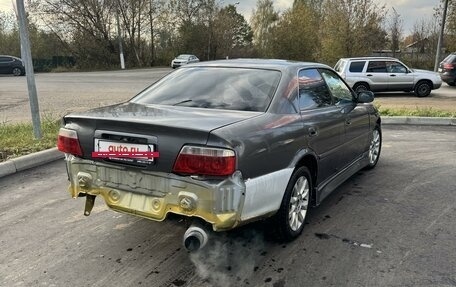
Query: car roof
{"x":270,"y":64}
{"x":10,"y":57}
{"x":369,"y":58}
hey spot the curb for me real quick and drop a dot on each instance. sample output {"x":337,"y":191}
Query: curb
{"x":42,"y":157}
{"x":421,"y":121}
{"x":29,"y":161}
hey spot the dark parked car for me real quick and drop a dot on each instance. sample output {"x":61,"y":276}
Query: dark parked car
{"x":447,"y":69}
{"x":11,"y":65}
{"x":225,"y":142}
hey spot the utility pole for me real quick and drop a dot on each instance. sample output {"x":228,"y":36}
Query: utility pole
{"x":440,"y":42}
{"x":119,"y":37}
{"x":27,"y":58}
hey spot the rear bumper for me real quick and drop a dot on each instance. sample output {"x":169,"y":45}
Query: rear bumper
{"x":448,"y":77}
{"x":153,"y":195}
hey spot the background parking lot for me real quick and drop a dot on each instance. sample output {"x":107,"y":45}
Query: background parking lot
{"x":61,"y":93}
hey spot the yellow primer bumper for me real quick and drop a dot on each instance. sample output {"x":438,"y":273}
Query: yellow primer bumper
{"x":153,"y":195}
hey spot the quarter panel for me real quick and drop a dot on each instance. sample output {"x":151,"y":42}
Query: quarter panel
{"x":263,"y":194}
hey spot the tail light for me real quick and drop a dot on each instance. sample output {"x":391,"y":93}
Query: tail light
{"x":68,"y":142}
{"x":448,"y":66}
{"x":196,"y":160}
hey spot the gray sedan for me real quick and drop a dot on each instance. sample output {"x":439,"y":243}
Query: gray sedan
{"x":224,"y":143}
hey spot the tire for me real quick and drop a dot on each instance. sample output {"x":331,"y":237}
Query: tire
{"x":359,"y":87}
{"x":451,"y":84}
{"x":423,"y":89}
{"x":375,"y":147}
{"x":290,"y":219}
{"x":17,"y":71}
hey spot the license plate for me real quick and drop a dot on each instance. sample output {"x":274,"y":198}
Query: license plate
{"x":124,"y":151}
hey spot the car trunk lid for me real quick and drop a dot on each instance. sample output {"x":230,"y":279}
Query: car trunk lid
{"x":165,"y":129}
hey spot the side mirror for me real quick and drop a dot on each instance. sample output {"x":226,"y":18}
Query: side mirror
{"x":364,"y":97}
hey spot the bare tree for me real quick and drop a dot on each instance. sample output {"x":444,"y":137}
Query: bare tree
{"x":395,"y":31}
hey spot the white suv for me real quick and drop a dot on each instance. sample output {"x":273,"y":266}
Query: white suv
{"x":380,"y":74}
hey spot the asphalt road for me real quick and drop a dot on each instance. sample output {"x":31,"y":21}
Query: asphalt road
{"x":391,"y":226}
{"x":62,"y":93}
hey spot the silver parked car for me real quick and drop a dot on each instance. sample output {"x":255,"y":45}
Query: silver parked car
{"x":381,"y":74}
{"x":183,"y":59}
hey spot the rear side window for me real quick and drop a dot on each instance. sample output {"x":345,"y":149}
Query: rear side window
{"x":241,"y":89}
{"x":313,"y":92}
{"x":357,"y":67}
{"x":340,"y":66}
{"x":376,"y":67}
{"x":6,"y":59}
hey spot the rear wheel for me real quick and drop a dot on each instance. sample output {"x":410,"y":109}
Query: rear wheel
{"x":17,"y":71}
{"x":451,"y":84}
{"x":423,"y":89}
{"x":360,"y":87}
{"x":289,"y":220}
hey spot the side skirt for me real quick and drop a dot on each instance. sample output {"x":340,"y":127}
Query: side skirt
{"x":328,"y":186}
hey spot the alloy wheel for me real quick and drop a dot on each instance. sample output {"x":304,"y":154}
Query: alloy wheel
{"x":299,"y":203}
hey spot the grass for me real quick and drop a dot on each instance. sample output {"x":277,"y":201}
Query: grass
{"x":417,"y":112}
{"x":17,"y":139}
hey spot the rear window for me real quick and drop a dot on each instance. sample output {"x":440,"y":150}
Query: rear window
{"x":357,"y":67}
{"x":339,"y":67}
{"x":450,"y":58}
{"x":214,"y":88}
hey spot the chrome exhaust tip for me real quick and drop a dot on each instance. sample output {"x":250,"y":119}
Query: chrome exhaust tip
{"x":195,"y":238}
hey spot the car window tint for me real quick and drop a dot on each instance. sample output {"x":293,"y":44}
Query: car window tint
{"x":313,"y":92}
{"x":340,"y":66}
{"x":5,"y":59}
{"x":395,"y":67}
{"x":340,"y":91}
{"x":215,"y":88}
{"x":376,"y":67}
{"x":357,"y":67}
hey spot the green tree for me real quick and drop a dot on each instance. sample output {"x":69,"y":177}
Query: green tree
{"x":263,"y":19}
{"x":295,"y":35}
{"x":232,"y":33}
{"x":351,"y":28}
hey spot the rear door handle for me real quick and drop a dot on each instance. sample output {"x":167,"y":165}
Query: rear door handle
{"x":312,"y":131}
{"x":369,"y":75}
{"x":392,"y":75}
{"x":348,"y":121}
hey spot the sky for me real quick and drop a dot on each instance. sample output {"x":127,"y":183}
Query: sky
{"x":410,"y":10}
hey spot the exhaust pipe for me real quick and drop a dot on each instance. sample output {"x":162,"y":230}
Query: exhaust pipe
{"x":195,"y":238}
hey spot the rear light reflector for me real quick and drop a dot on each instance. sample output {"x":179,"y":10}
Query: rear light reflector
{"x":68,"y":142}
{"x":196,"y":160}
{"x":448,"y":66}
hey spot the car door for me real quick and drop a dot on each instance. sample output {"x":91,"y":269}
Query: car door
{"x":377,"y":74}
{"x":355,"y":118}
{"x":322,"y":122}
{"x":399,"y":77}
{"x":5,"y":65}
